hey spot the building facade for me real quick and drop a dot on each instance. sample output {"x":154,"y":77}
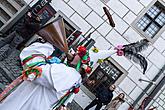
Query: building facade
{"x":135,"y":20}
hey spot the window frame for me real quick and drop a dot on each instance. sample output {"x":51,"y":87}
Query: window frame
{"x":141,"y":32}
{"x":9,"y":23}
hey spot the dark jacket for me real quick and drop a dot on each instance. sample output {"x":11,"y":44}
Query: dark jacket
{"x":27,"y":27}
{"x":104,"y":95}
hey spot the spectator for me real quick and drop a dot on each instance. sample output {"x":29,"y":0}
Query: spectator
{"x":24,"y":30}
{"x":116,"y":102}
{"x":103,"y":96}
{"x":90,"y":82}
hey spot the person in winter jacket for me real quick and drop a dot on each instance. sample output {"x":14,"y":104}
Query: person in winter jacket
{"x":103,"y":96}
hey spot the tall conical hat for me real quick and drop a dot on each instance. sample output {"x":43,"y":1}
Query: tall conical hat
{"x":54,"y":33}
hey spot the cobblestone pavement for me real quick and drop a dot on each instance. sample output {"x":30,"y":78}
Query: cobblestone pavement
{"x":10,"y":68}
{"x":74,"y":106}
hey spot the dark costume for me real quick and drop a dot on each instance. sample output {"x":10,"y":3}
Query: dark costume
{"x":103,"y":96}
{"x":23,"y":31}
{"x":28,"y":27}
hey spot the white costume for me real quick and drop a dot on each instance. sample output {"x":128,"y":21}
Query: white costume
{"x":41,"y":93}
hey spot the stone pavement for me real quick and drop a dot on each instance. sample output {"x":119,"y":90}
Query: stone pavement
{"x":74,"y":106}
{"x":10,"y":67}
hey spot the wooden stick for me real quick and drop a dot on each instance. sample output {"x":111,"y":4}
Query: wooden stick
{"x":109,"y":17}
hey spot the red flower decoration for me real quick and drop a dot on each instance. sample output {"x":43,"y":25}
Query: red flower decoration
{"x":76,"y":90}
{"x":88,"y":70}
{"x":81,"y":51}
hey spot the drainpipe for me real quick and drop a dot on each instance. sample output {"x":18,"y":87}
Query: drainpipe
{"x":149,"y":85}
{"x":155,"y":91}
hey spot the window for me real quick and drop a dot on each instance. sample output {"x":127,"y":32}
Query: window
{"x":20,"y":2}
{"x":4,"y":15}
{"x":10,"y":12}
{"x":105,"y":74}
{"x":152,"y":23}
{"x":158,"y":95}
{"x":8,"y":6}
{"x":46,"y":13}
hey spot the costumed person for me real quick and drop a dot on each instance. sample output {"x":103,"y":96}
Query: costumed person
{"x":116,"y":102}
{"x":48,"y":84}
{"x":45,"y":82}
{"x":24,"y":30}
{"x":76,"y":60}
{"x":103,"y":97}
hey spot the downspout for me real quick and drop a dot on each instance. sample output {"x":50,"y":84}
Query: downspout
{"x":148,"y":87}
{"x":155,"y":91}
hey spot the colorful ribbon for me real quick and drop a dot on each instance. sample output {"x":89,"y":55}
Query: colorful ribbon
{"x":75,"y":89}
